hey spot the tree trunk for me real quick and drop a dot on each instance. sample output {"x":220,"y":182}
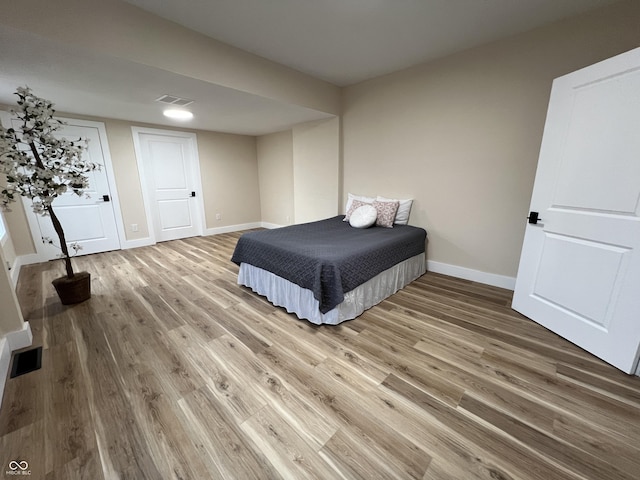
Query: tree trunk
{"x":63,"y":243}
{"x":54,"y":219}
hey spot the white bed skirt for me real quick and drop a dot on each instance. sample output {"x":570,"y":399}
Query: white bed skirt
{"x":300,"y":301}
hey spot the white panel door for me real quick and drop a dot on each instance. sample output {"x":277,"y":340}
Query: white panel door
{"x":170,"y":173}
{"x":89,"y":220}
{"x":579,"y":272}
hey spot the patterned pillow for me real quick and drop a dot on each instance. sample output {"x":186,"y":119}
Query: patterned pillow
{"x":386,"y":213}
{"x":402,"y":216}
{"x":354,"y":204}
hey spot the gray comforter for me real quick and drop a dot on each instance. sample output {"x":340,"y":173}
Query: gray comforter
{"x":329,"y":257}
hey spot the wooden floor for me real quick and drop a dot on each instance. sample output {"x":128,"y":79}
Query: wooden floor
{"x":171,"y":370}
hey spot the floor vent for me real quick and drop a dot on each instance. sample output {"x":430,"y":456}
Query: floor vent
{"x":173,"y":100}
{"x":26,"y":361}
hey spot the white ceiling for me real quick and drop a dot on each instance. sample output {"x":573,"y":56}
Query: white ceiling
{"x":340,"y":41}
{"x":348,"y":41}
{"x":84,"y":83}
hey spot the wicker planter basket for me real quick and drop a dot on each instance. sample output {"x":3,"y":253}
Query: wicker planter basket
{"x":75,"y":289}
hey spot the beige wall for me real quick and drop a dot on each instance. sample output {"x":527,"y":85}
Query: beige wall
{"x":316,"y":162}
{"x":8,"y":250}
{"x":300,"y":173}
{"x":125,"y":169}
{"x":18,"y":229}
{"x":275,"y":167}
{"x":229,"y":169}
{"x":10,"y":315}
{"x":461,"y":135}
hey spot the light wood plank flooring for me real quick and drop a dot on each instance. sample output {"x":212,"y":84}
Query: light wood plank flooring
{"x":172,"y":371}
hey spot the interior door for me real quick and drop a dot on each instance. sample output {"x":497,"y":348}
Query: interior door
{"x":88,"y":220}
{"x":579,"y":272}
{"x":171,"y":175}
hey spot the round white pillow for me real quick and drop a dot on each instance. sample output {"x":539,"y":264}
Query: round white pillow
{"x":363,"y":216}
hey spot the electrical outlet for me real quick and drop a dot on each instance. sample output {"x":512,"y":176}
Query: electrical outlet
{"x":134,"y":227}
{"x":218,"y":216}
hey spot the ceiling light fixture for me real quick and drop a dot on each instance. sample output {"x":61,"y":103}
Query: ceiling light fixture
{"x":178,"y":114}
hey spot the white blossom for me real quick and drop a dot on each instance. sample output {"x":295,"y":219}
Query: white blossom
{"x":59,"y":167}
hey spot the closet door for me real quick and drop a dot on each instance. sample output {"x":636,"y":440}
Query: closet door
{"x":171,"y":179}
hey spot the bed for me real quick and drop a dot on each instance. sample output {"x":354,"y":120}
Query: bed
{"x":328,"y":271}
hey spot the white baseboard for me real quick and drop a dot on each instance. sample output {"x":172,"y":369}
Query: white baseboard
{"x":20,"y":338}
{"x":244,"y":226}
{"x":232,"y":228}
{"x":140,"y":242}
{"x":493,"y":279}
{"x":10,"y":342}
{"x":32,"y":258}
{"x":270,"y":226}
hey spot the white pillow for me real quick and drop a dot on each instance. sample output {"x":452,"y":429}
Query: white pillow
{"x":351,"y":197}
{"x":402,"y":215}
{"x":363,"y":217}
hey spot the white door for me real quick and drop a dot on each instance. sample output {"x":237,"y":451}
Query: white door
{"x":90,"y":220}
{"x":170,"y":172}
{"x":579,"y":272}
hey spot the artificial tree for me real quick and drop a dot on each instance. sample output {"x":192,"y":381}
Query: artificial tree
{"x":41,"y":166}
